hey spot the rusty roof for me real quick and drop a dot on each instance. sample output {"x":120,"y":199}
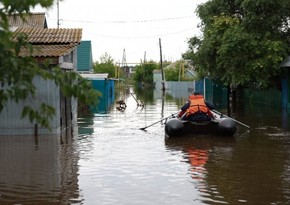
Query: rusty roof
{"x":52,"y":42}
{"x":34,"y":20}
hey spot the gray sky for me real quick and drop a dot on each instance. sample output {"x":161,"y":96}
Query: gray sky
{"x":133,"y":25}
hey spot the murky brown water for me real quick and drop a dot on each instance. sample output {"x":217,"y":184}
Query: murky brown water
{"x":112,"y":161}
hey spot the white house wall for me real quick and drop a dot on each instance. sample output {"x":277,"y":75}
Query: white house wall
{"x":11,"y":122}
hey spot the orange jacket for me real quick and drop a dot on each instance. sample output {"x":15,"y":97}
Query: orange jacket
{"x":197,"y":104}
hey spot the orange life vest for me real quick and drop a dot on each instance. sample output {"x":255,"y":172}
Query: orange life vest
{"x":197,"y":104}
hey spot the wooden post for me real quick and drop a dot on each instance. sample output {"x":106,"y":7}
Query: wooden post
{"x":36,"y":135}
{"x":35,"y":130}
{"x":179,"y":71}
{"x":161,"y":66}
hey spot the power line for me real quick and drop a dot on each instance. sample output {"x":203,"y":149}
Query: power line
{"x":150,"y":20}
{"x":129,"y":21}
{"x":142,"y":37}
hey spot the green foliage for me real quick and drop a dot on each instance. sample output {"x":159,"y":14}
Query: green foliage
{"x":171,"y":74}
{"x":40,"y":115}
{"x":9,"y":6}
{"x":144,"y":72}
{"x":106,"y":65}
{"x":72,"y":84}
{"x":176,"y":72}
{"x":17,"y":73}
{"x":243,"y":41}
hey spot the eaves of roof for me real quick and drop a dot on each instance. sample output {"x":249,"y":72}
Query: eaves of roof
{"x":47,"y":50}
{"x":49,"y":42}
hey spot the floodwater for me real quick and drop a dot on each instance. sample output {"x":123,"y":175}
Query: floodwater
{"x":111,"y":161}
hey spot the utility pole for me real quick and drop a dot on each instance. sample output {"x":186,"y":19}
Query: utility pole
{"x":124,"y":65}
{"x":124,"y":60}
{"x":144,"y":57}
{"x":161,"y":66}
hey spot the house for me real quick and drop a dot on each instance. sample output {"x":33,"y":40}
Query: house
{"x":186,"y":70}
{"x":60,"y":47}
{"x":100,"y":81}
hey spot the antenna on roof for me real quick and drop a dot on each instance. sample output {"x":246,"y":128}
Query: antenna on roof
{"x":58,"y":14}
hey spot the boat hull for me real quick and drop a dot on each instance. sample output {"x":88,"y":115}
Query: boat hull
{"x":223,"y":127}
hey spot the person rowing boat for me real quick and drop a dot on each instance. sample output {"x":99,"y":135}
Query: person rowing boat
{"x":196,"y":109}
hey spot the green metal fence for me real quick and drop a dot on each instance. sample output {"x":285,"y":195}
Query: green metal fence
{"x":216,"y":93}
{"x":270,"y":97}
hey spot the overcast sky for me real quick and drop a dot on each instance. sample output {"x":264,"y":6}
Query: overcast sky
{"x":131,"y":25}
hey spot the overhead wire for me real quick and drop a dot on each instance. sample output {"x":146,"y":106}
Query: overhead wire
{"x":130,"y":21}
{"x":135,"y":21}
{"x":142,"y":37}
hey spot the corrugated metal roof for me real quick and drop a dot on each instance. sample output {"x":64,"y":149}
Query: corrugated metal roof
{"x":35,"y":20}
{"x":50,"y":42}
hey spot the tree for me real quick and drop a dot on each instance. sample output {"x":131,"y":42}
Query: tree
{"x":175,"y":71}
{"x":106,"y":65}
{"x":17,"y":73}
{"x":171,"y":74}
{"x":144,"y":72}
{"x":243,"y":41}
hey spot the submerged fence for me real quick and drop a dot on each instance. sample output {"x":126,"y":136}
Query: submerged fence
{"x":271,"y":97}
{"x":213,"y":92}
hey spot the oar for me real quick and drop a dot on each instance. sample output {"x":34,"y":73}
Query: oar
{"x":143,"y":128}
{"x":134,"y":98}
{"x":221,"y":114}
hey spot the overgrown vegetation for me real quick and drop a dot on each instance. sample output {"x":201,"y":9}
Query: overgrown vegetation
{"x":243,"y":41}
{"x":176,"y":72}
{"x":144,"y":72}
{"x":106,"y":65}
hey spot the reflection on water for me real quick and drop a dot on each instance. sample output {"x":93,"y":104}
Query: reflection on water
{"x":197,"y":152}
{"x":112,"y":161}
{"x":38,"y":173}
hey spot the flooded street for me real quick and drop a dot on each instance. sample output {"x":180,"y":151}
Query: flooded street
{"x":112,"y":161}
